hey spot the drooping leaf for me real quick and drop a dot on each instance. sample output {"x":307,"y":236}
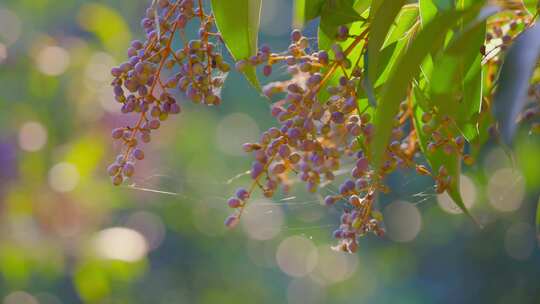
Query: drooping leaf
{"x":398,"y":38}
{"x":430,"y":8}
{"x":406,"y":19}
{"x":380,"y":25}
{"x":517,"y":69}
{"x":456,"y":81}
{"x":533,"y":6}
{"x":452,"y":162}
{"x":361,"y":6}
{"x":238,"y":24}
{"x":403,"y":72}
{"x":306,"y":10}
{"x":387,"y":58}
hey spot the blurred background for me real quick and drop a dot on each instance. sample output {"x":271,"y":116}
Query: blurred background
{"x":68,"y":236}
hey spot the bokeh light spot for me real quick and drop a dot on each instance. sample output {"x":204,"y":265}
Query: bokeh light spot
{"x":403,"y":221}
{"x":120,"y":243}
{"x":262,"y":220}
{"x":10,"y":27}
{"x":235,"y":130}
{"x":494,"y":160}
{"x":468,"y":193}
{"x":98,"y":68}
{"x":64,"y":177}
{"x":52,"y":60}
{"x":32,"y":136}
{"x":149,"y":225}
{"x":334,"y":266}
{"x":20,"y":297}
{"x":506,"y":189}
{"x":297,"y":256}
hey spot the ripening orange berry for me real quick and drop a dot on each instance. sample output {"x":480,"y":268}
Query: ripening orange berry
{"x":422,"y":170}
{"x":468,"y":160}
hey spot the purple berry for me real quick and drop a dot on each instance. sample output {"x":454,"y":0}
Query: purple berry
{"x":233,"y":202}
{"x":329,"y":200}
{"x":242,"y":194}
{"x":267,"y":70}
{"x":128,"y":169}
{"x":138,"y":154}
{"x":296,"y":35}
{"x":117,"y":133}
{"x":231,"y":221}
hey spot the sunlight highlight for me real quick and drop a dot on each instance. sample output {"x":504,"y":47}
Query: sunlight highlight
{"x":506,"y":189}
{"x":263,"y":220}
{"x":297,"y":256}
{"x":120,"y":243}
{"x":32,"y":136}
{"x":403,"y":221}
{"x":64,"y":177}
{"x":468,"y":193}
{"x":52,"y":60}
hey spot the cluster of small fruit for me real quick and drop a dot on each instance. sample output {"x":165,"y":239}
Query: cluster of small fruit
{"x":316,"y":135}
{"x":141,"y":86}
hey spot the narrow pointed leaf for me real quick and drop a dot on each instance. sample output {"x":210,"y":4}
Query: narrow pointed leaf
{"x":456,"y":81}
{"x":532,"y":6}
{"x":428,"y":10}
{"x":452,"y":162}
{"x":407,"y":68}
{"x":381,"y":22}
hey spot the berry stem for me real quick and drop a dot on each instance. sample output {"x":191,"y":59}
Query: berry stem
{"x":335,"y":65}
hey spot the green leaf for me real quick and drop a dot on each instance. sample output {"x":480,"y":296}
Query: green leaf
{"x":400,"y":79}
{"x":306,"y":10}
{"x":406,"y":19}
{"x":361,"y":5}
{"x":398,"y":38}
{"x":335,"y":13}
{"x":430,"y":8}
{"x":518,"y":67}
{"x":456,"y":81}
{"x":533,"y":6}
{"x":381,"y":22}
{"x":238,"y":23}
{"x":452,"y":162}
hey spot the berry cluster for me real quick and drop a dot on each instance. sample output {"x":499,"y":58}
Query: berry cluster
{"x":140,"y":85}
{"x":315,"y":135}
